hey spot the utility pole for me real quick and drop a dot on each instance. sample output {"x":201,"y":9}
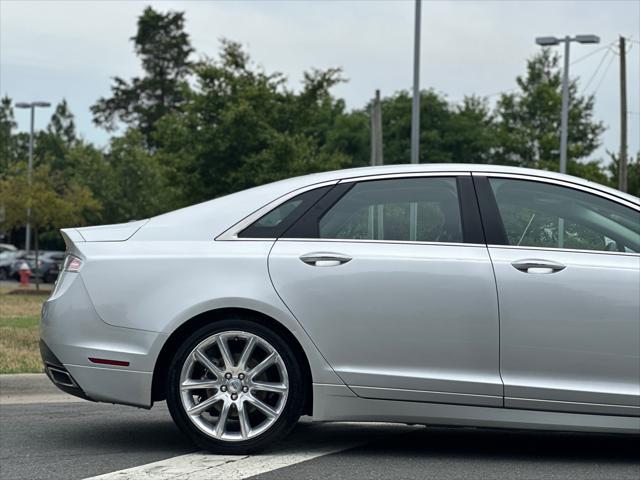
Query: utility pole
{"x":376,"y":131}
{"x":376,"y":214}
{"x":415,"y":112}
{"x":622,"y":162}
{"x":415,"y":116}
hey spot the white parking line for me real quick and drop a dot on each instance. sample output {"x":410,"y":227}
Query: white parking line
{"x":201,"y":466}
{"x":204,"y":466}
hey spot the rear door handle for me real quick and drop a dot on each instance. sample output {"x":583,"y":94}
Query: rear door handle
{"x":534,"y":265}
{"x":324,"y":259}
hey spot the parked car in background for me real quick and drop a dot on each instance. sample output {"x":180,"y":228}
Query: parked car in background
{"x":7,"y":257}
{"x":7,"y":247}
{"x":49,"y":265}
{"x":48,"y":268}
{"x":468,"y":295}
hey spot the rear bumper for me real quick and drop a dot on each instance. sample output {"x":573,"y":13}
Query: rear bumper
{"x":72,"y":333}
{"x":58,"y":374}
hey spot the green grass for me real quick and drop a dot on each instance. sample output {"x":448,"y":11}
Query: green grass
{"x":19,"y":333}
{"x":20,"y":322}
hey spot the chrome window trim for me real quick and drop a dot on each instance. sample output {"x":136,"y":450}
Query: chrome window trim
{"x":567,"y":184}
{"x":232,"y":232}
{"x":564,"y":250}
{"x":387,"y":176}
{"x":390,"y":242}
{"x":562,"y":183}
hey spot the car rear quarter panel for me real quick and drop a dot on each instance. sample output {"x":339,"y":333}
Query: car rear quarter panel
{"x":159,"y":285}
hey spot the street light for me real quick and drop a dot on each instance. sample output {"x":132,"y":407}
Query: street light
{"x":564,"y":119}
{"x":564,"y":122}
{"x":32,"y":106}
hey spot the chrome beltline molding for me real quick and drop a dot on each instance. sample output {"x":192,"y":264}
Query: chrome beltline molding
{"x":563,"y":250}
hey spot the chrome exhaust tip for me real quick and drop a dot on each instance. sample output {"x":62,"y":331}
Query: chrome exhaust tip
{"x":60,"y":377}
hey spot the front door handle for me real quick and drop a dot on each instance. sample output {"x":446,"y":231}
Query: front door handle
{"x":535,"y":265}
{"x":324,"y":259}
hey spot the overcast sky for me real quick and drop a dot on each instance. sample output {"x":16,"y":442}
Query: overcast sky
{"x":54,"y":49}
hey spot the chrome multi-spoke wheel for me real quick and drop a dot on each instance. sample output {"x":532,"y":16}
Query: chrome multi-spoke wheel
{"x":233,"y":385}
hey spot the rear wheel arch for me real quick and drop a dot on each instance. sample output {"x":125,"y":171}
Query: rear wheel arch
{"x":183,"y":331}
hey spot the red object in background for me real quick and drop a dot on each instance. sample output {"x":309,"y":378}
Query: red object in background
{"x":25,"y":273}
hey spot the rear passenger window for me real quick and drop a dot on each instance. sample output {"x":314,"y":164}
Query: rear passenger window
{"x":274,"y":223}
{"x":422,"y":209}
{"x":279,"y":214}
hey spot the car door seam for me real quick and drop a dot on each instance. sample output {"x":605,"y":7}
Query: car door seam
{"x":296,"y":318}
{"x":495,"y":282}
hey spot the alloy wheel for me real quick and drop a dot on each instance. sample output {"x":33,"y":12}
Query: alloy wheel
{"x":234,"y":385}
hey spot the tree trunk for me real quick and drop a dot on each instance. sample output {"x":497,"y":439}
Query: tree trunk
{"x":35,"y":231}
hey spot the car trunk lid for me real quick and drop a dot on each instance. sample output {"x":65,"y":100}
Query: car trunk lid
{"x":118,"y":232}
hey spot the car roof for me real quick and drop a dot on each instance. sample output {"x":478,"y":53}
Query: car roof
{"x":463,"y":167}
{"x":218,"y":215}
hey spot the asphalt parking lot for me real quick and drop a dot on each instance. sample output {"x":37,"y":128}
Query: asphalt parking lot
{"x":52,"y":437}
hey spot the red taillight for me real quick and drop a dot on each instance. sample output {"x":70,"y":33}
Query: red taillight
{"x":72,"y":264}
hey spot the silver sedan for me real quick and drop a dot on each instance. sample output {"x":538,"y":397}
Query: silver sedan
{"x":437,"y":294}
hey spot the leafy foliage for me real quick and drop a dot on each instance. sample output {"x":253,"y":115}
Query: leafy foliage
{"x":52,"y":201}
{"x":12,"y":145}
{"x":528,"y":125}
{"x":242,"y":127}
{"x":164,"y":49}
{"x":633,"y":172}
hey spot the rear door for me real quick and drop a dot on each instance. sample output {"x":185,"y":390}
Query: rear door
{"x":567,"y":268}
{"x":391,"y":279}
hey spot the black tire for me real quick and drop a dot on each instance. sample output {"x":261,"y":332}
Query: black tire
{"x":280,"y":428}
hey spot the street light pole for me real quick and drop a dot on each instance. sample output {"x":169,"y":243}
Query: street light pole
{"x":564,"y":119}
{"x":32,"y":106}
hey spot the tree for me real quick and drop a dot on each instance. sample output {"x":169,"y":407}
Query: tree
{"x":62,"y":123}
{"x":7,"y":125}
{"x":164,"y":49}
{"x":241,"y":127}
{"x":448,"y":133}
{"x":13,"y":146}
{"x":52,"y":202}
{"x":471,"y":133}
{"x":633,"y":173}
{"x":528,"y":121}
{"x":132,"y":183}
{"x":53,"y":144}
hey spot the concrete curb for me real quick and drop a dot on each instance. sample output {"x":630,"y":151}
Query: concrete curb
{"x":30,"y":388}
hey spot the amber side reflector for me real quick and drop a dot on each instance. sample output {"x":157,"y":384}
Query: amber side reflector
{"x":106,"y":361}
